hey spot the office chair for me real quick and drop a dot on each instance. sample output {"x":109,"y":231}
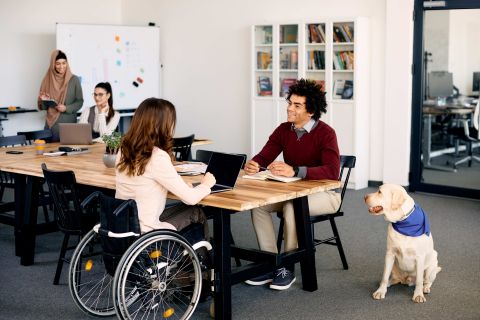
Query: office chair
{"x":182,"y":147}
{"x":348,"y":163}
{"x":70,"y":217}
{"x":31,"y":136}
{"x":469,"y":135}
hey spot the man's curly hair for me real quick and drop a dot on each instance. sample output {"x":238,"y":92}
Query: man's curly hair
{"x":314,"y":97}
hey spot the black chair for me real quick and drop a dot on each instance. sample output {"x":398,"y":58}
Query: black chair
{"x":7,"y":181}
{"x":70,"y":217}
{"x":468,"y":133}
{"x":182,"y":147}
{"x":347,"y":163}
{"x":31,"y":136}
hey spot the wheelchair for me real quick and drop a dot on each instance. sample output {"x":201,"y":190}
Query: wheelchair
{"x":157,"y":275}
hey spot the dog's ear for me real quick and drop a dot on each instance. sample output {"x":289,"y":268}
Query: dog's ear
{"x":398,"y":198}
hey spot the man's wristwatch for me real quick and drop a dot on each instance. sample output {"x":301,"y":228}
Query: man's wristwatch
{"x":295,"y":170}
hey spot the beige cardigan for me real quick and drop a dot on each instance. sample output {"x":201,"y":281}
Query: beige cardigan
{"x":150,"y":190}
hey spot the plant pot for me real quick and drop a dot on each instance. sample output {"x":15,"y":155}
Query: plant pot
{"x":109,"y":160}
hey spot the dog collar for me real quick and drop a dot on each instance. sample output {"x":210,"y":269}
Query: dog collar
{"x":406,"y":215}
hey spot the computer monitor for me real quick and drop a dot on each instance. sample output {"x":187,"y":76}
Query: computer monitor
{"x":476,"y":83}
{"x":440,"y":84}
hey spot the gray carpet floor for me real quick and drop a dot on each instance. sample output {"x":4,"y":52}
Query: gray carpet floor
{"x":28,"y":293}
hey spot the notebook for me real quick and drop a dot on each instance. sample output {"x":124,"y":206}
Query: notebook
{"x":225,"y":167}
{"x":75,"y":133}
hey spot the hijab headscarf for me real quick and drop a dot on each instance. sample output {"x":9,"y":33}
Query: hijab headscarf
{"x":55,"y":85}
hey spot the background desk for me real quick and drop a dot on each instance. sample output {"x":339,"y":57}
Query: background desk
{"x":248,"y":194}
{"x":428,"y":113}
{"x":4,"y":113}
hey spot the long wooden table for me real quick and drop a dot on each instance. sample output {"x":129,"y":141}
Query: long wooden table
{"x":248,"y":194}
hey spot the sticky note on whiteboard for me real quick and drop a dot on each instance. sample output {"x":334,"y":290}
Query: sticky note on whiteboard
{"x":117,"y":38}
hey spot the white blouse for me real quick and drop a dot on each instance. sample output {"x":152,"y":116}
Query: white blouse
{"x":100,"y":124}
{"x":150,"y":190}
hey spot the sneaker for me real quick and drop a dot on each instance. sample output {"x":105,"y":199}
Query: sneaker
{"x":283,"y":279}
{"x":263,"y":279}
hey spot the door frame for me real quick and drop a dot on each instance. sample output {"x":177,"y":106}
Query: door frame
{"x":417,"y":99}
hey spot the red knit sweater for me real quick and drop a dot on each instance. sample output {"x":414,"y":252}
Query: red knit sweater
{"x":317,"y":150}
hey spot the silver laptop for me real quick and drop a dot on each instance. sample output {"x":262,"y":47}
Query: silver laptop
{"x":75,"y":133}
{"x":225,"y":167}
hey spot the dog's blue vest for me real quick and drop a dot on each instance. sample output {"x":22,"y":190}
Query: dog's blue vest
{"x":415,"y":224}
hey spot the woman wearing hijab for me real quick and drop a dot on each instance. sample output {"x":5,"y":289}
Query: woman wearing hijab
{"x":63,"y":87}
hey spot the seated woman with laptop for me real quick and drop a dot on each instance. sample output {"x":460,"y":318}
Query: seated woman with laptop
{"x":102,"y":117}
{"x":145,"y":172}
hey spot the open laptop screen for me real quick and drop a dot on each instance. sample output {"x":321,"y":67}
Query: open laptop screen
{"x":225,"y":167}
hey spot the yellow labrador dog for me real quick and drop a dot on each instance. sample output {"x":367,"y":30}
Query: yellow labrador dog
{"x":410,"y":257}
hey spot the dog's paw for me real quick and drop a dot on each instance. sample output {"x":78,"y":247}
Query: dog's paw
{"x":426,"y":289}
{"x":419,"y":298}
{"x":379,"y":294}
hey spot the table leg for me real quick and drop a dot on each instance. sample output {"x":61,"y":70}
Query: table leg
{"x":305,"y":241}
{"x":222,"y":264}
{"x":27,"y":216}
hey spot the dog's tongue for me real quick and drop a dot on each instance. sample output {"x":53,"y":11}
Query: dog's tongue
{"x":376,"y":209}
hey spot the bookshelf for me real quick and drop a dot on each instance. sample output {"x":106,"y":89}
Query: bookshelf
{"x":334,"y":53}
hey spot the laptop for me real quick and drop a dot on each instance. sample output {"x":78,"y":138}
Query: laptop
{"x":75,"y":133}
{"x":225,"y":167}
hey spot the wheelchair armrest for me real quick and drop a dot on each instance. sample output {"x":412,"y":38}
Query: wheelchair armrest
{"x":90,"y":198}
{"x":128,"y":203}
{"x":111,"y":234}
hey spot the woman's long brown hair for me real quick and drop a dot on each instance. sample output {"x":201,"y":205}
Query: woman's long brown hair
{"x":152,"y":126}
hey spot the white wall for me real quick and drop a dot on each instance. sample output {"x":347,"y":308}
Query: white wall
{"x":27,"y":30}
{"x":206,"y":56}
{"x":205,"y":50}
{"x":464,"y":47}
{"x":398,"y":92}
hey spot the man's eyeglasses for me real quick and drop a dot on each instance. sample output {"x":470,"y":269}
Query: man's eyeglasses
{"x":98,"y":95}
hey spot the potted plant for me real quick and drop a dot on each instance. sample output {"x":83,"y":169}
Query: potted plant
{"x":112,"y":143}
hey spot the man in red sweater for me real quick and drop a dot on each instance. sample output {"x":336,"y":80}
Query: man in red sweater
{"x":310,"y":151}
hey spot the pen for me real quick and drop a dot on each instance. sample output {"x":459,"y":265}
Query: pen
{"x":262,"y":168}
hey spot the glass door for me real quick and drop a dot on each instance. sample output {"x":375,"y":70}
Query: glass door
{"x":445,"y":155}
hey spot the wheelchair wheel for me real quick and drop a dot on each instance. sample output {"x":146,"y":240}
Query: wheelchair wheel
{"x":158,"y":277}
{"x":89,"y":282}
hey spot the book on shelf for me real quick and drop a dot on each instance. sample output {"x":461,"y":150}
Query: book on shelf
{"x":321,"y":83}
{"x":347,"y":90}
{"x":264,"y":60}
{"x":314,"y":34}
{"x":321,"y":32}
{"x":338,"y":87}
{"x":293,"y":60}
{"x":337,"y":34}
{"x":285,"y":85}
{"x":267,"y":175}
{"x":288,"y":33}
{"x":349,"y":31}
{"x":344,"y":34}
{"x":264,"y":86}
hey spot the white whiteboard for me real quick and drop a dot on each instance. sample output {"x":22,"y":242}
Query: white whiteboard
{"x":126,"y":56}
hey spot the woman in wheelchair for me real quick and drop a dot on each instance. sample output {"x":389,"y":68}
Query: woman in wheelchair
{"x":144,"y":261}
{"x":145,"y":172}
